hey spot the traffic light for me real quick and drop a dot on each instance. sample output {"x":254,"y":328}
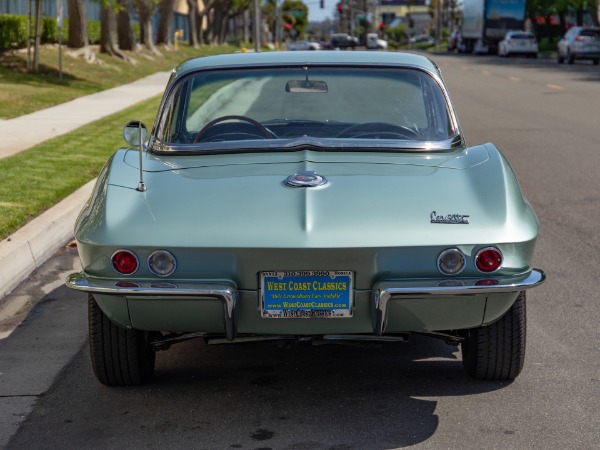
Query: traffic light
{"x":322,"y":4}
{"x":340,"y":7}
{"x":381,"y":26}
{"x":288,"y":26}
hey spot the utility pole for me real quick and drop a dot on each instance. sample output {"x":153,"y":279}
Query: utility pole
{"x":59,"y":24}
{"x":29,"y":35}
{"x":256,"y":26}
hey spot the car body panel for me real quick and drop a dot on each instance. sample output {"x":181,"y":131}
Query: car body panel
{"x":385,"y":215}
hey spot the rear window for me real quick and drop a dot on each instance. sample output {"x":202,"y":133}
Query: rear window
{"x":522,"y":36}
{"x":593,"y":34}
{"x":347,"y":104}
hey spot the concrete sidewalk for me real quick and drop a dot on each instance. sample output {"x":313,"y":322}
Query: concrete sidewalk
{"x":28,"y":248}
{"x":26,"y":131}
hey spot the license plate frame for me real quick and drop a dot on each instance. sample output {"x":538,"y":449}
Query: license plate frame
{"x":306,"y":294}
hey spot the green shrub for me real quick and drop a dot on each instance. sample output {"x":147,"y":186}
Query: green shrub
{"x":546,"y":46}
{"x":93,"y":31}
{"x":49,"y":34}
{"x":13,"y":31}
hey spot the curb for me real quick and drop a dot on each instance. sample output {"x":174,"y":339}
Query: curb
{"x":31,"y":246}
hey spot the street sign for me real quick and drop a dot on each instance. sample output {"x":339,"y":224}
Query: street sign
{"x":296,"y":13}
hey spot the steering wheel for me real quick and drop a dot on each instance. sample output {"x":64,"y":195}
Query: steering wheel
{"x":264,"y":132}
{"x":376,"y":129}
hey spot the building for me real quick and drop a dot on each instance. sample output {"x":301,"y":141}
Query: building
{"x":401,"y":11}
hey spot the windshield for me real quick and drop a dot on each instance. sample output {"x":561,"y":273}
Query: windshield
{"x":321,"y":106}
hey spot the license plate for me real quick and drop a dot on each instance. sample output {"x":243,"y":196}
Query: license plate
{"x":306,"y":294}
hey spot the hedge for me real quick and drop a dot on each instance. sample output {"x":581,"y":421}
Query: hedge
{"x":13,"y":31}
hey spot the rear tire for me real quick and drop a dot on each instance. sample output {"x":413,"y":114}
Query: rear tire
{"x":596,"y":61}
{"x":570,"y":58}
{"x":560,"y":59}
{"x":120,"y":357}
{"x":497,"y":351}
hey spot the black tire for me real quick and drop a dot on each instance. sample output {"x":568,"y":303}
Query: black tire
{"x":497,"y":351}
{"x":120,"y":357}
{"x":596,"y":61}
{"x":570,"y":57}
{"x":560,"y":59}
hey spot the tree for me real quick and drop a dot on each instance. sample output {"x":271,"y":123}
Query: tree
{"x":292,"y":10}
{"x":193,"y":22}
{"x":146,"y":10}
{"x":269,"y":11}
{"x":36,"y":45}
{"x":220,"y":14}
{"x":165,"y":24}
{"x":125,"y":35}
{"x":77,"y":37}
{"x":209,"y":10}
{"x":108,"y":30}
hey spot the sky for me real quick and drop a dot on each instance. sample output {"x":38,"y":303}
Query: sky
{"x":315,"y":13}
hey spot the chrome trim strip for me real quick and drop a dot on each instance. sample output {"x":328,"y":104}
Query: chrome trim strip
{"x":224,"y":291}
{"x":385,"y":291}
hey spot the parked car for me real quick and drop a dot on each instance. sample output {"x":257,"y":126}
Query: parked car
{"x":375,"y":43}
{"x":343,"y":41}
{"x":286,"y":195}
{"x":422,"y":39}
{"x":518,"y":43}
{"x":304,"y":45}
{"x":580,"y":43}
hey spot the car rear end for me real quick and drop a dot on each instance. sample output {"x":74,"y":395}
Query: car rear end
{"x":586,"y":45}
{"x":521,"y":43}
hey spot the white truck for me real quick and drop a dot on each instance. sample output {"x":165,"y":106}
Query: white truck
{"x":375,"y":43}
{"x":485,"y":22}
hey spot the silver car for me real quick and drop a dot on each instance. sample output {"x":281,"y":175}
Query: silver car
{"x":580,"y":43}
{"x":304,"y":45}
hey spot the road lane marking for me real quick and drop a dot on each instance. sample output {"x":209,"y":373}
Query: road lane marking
{"x":556,"y":87}
{"x":486,"y":72}
{"x":514,"y":78}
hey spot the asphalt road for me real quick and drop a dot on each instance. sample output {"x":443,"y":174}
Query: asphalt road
{"x":545,"y":118}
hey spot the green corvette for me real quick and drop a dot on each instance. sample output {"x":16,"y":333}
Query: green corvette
{"x":305,"y":195}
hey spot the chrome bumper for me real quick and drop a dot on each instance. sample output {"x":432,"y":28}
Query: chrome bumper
{"x":387,"y":290}
{"x":226,"y":292}
{"x":384,"y":291}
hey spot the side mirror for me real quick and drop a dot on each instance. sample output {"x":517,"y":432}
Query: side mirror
{"x":131,"y":133}
{"x":135,"y":133}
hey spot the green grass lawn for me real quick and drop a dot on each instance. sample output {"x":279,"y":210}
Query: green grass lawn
{"x":22,"y":92}
{"x":38,"y":178}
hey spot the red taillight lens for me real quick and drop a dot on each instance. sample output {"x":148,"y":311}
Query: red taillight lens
{"x":488,"y":259}
{"x":125,"y":262}
{"x":486,"y":282}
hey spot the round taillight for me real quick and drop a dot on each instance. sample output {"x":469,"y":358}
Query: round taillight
{"x":125,"y":262}
{"x":162,"y":263}
{"x":451,"y":261}
{"x":488,"y":259}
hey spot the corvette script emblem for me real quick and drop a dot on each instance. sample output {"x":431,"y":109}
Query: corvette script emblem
{"x":449,"y":218}
{"x":305,"y":179}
